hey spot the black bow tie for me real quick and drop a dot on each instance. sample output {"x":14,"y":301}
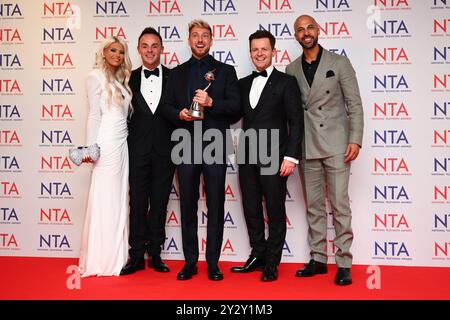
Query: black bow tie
{"x":154,"y":72}
{"x":262,"y":74}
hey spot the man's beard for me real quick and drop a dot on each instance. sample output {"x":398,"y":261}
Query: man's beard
{"x":312,"y":45}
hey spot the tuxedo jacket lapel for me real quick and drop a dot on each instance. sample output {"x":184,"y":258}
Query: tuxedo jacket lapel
{"x":136,"y":89}
{"x":165,"y":76}
{"x":267,"y":91}
{"x":246,"y":97}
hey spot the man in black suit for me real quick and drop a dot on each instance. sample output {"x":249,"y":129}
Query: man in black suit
{"x":270,"y":102}
{"x":221,"y":104}
{"x":151,"y":169}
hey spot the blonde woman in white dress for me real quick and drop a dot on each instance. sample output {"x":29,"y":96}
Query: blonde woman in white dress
{"x":104,"y":244}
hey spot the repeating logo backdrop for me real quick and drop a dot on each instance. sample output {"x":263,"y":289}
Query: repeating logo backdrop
{"x":400,"y":49}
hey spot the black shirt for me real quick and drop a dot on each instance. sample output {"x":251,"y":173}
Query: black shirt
{"x":197,"y":71}
{"x":309,"y":69}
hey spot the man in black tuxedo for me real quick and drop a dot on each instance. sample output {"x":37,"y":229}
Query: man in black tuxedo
{"x":270,"y":101}
{"x":151,"y":169}
{"x":221,"y":104}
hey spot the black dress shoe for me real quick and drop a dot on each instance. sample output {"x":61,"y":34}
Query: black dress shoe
{"x":132,"y":266}
{"x":312,"y":268}
{"x":157,"y":264}
{"x":270,"y":273}
{"x":187,"y":272}
{"x":214,"y":272}
{"x":343,"y":277}
{"x":253,"y":263}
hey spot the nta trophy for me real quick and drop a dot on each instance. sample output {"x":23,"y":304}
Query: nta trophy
{"x":196,"y":109}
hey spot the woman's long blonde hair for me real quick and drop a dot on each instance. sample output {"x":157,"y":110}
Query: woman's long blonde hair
{"x":122,"y":74}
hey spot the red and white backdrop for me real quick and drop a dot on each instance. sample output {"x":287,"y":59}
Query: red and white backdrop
{"x":400,"y":185}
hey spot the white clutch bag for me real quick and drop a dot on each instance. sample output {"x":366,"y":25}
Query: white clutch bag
{"x":77,"y":155}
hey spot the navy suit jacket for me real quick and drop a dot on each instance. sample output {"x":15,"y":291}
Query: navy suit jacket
{"x":224,"y":91}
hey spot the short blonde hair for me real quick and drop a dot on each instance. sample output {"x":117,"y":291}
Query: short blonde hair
{"x":201,"y":24}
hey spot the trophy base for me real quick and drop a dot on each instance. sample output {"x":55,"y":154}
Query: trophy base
{"x":196,"y":114}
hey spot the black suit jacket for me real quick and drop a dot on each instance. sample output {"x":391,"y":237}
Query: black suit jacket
{"x":224,"y":91}
{"x":148,"y":131}
{"x":279,"y":107}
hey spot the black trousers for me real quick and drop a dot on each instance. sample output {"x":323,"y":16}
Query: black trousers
{"x":189,"y":181}
{"x":273,"y":187}
{"x":151,"y":177}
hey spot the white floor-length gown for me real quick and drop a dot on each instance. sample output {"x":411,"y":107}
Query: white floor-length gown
{"x":104,"y":243}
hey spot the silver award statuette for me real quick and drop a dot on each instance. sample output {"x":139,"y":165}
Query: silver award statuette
{"x":196,"y":109}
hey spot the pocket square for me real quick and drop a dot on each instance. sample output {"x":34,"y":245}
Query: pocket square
{"x":330,"y":73}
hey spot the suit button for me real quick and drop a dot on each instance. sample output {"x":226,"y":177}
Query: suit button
{"x":320,"y":108}
{"x":328,"y":91}
{"x":321,"y":125}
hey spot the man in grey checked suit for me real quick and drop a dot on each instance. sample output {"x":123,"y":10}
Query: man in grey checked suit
{"x":333,"y":116}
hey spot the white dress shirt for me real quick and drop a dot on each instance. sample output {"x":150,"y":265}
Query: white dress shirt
{"x":151,"y":88}
{"x":258,"y":85}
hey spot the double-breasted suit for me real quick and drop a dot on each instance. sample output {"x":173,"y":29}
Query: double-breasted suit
{"x":333,"y":117}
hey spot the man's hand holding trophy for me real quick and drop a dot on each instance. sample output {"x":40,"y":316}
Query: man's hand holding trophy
{"x":200,"y":100}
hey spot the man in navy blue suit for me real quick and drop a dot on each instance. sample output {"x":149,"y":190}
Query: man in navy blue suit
{"x":221,"y":104}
